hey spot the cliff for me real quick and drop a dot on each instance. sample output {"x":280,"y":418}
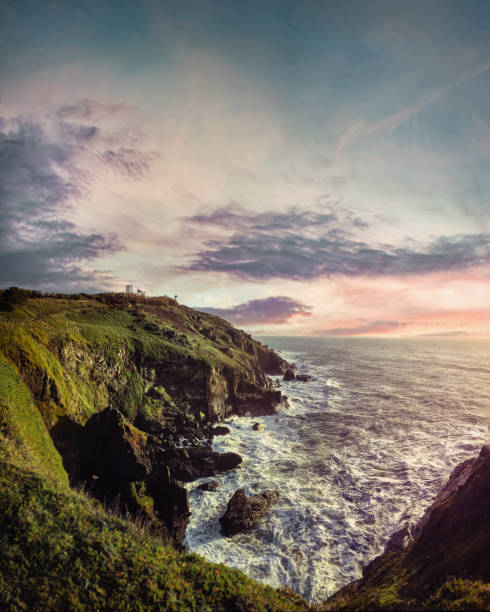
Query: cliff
{"x":106,"y":405}
{"x":442,"y":562}
{"x":118,"y":396}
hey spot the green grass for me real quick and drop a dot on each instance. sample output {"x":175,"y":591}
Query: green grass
{"x":61,"y":550}
{"x":21,"y":423}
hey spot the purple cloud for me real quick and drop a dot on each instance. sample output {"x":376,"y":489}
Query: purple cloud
{"x":37,"y":247}
{"x":272,"y":310}
{"x":316,"y":244}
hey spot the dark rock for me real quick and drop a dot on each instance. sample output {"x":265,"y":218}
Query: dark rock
{"x":212,"y":485}
{"x":244,"y":512}
{"x":270,"y":361}
{"x":118,"y":449}
{"x":220,"y":430}
{"x":289,"y":374}
{"x":228,"y":461}
{"x":195,"y":462}
{"x":258,"y":427}
{"x":171,"y":505}
{"x":303,"y":377}
{"x":257,"y":404}
{"x":451,"y":540}
{"x":149,"y":425}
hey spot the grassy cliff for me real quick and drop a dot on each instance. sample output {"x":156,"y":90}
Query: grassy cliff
{"x":106,"y":382}
{"x":61,"y":362}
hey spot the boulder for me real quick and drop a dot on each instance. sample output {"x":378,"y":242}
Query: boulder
{"x":244,"y":512}
{"x":258,"y":427}
{"x":212,"y":485}
{"x":220,"y":430}
{"x":303,"y":377}
{"x":195,"y":462}
{"x":289,"y":374}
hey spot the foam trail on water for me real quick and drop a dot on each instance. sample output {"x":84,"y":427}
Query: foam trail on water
{"x":354,"y":454}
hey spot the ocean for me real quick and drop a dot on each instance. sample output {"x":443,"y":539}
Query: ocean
{"x":355,"y":454}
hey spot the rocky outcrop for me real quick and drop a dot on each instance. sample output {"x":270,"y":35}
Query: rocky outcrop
{"x":244,"y":512}
{"x":212,"y":485}
{"x":258,"y":427}
{"x":454,"y":537}
{"x":115,"y":463}
{"x":220,"y":430}
{"x":452,"y":540}
{"x":130,"y":392}
{"x":289,"y":374}
{"x":195,"y":462}
{"x":303,"y":377}
{"x":116,"y":450}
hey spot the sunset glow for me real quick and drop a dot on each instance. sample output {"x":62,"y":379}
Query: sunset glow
{"x":312,"y":168}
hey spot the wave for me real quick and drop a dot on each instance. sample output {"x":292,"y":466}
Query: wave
{"x":352,"y":455}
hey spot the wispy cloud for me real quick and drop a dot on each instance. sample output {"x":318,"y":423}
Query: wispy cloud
{"x":394,"y":120}
{"x":272,"y":311}
{"x":375,"y":327}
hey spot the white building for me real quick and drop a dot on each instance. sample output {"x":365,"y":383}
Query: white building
{"x":129,"y":288}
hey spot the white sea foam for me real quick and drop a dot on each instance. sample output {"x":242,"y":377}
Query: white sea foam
{"x":352,"y":458}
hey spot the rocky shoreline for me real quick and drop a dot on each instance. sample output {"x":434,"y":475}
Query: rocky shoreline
{"x":141,"y":467}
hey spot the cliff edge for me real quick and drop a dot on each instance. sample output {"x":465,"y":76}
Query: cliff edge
{"x":443,"y":562}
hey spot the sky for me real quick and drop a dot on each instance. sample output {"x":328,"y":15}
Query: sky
{"x":312,"y":167}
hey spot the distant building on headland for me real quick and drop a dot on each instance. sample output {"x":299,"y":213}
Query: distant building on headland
{"x":130,"y":291}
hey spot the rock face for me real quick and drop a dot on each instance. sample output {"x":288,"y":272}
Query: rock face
{"x":117,"y":450}
{"x":243,"y":512}
{"x":289,"y":374}
{"x":129,"y":393}
{"x":454,"y":538}
{"x":451,"y":540}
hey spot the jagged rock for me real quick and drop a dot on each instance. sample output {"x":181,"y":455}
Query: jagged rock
{"x":171,"y":505}
{"x":195,"y":462}
{"x":303,"y":377}
{"x":289,"y":374}
{"x":118,"y":449}
{"x":258,"y":427}
{"x":220,"y":430}
{"x":243,"y":512}
{"x":451,"y":540}
{"x":212,"y":485}
{"x":257,"y":404}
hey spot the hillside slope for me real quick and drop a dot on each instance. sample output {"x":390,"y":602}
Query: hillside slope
{"x":96,"y":392}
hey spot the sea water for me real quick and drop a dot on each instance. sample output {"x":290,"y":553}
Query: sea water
{"x":355,"y":454}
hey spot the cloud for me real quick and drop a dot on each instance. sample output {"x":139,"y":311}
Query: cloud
{"x":272,"y":310}
{"x":449,"y":334}
{"x":309,"y":245}
{"x":129,"y":162}
{"x":90,"y":110}
{"x":38,"y":247}
{"x":375,"y":327}
{"x":234,"y":216}
{"x":394,"y":120}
